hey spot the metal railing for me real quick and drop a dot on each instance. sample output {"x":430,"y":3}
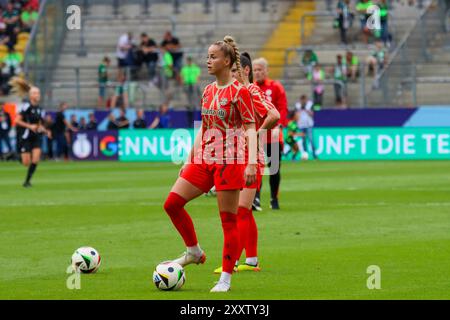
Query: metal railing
{"x":34,"y":31}
{"x":176,"y":4}
{"x":308,"y":87}
{"x":331,"y":4}
{"x":82,"y":51}
{"x":444,"y":5}
{"x":78,"y":88}
{"x":408,"y":85}
{"x":78,"y":85}
{"x":301,"y":50}
{"x":311,"y":15}
{"x":44,"y":45}
{"x":393,"y":24}
{"x":413,"y":48}
{"x":116,"y":5}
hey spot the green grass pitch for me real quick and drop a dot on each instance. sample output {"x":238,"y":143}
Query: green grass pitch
{"x":337,"y":219}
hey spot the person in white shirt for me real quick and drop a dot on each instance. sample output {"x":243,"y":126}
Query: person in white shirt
{"x":123,"y":47}
{"x":306,"y":122}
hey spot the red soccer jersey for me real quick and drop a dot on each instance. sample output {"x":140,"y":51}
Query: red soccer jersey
{"x":276,"y":94}
{"x":261,"y":106}
{"x":225,"y":109}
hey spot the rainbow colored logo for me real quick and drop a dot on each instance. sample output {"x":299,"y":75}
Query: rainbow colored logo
{"x":109,"y":146}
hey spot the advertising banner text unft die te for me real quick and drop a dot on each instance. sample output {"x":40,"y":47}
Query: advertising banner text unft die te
{"x":382,"y":143}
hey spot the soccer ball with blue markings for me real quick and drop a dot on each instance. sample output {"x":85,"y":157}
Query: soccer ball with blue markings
{"x":86,"y":260}
{"x":169,"y":276}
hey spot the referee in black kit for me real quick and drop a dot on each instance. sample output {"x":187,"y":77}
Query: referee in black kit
{"x":29,"y":122}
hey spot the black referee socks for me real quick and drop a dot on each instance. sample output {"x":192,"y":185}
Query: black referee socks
{"x":31,"y":170}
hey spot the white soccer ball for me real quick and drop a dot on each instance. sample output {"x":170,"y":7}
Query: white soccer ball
{"x":169,"y":276}
{"x":305,"y":156}
{"x":86,"y":260}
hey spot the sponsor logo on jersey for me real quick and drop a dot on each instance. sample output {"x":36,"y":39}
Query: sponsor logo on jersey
{"x":221,"y":113}
{"x":223,"y":101}
{"x":208,"y":112}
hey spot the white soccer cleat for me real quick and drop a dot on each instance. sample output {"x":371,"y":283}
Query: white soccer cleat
{"x":189,"y":258}
{"x":221,"y":286}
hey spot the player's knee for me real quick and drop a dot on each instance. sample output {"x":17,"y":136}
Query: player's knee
{"x":243,"y":213}
{"x":173,"y":203}
{"x":168,"y":206}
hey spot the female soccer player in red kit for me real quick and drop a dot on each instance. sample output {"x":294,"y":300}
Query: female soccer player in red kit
{"x":226,"y":106}
{"x":266,"y":117}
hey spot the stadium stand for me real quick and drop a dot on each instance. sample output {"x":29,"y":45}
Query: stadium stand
{"x":279,"y":30}
{"x":195,"y":29}
{"x":16,"y":20}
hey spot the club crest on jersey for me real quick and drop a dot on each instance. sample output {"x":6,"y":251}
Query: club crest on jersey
{"x":221,"y":114}
{"x":223,"y":101}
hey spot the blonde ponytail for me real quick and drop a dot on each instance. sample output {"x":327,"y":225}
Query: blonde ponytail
{"x":20,"y":86}
{"x":237,"y":55}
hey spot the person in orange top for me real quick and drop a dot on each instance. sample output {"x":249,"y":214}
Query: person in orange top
{"x":276,"y":94}
{"x":227,"y":109}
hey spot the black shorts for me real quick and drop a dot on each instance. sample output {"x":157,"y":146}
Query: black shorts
{"x":268,"y":151}
{"x":122,"y":63}
{"x":33,"y":142}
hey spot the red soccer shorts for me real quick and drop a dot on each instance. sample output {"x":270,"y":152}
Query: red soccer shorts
{"x":259,"y":174}
{"x":222,"y":176}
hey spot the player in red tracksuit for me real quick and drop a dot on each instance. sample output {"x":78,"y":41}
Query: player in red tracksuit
{"x":275,"y":93}
{"x":218,"y":159}
{"x":266,"y":117}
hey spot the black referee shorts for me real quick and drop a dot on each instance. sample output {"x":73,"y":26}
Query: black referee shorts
{"x":32,"y":142}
